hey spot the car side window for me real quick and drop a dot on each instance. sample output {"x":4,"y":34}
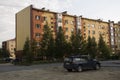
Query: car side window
{"x":79,"y":60}
{"x":76,"y":59}
{"x":83,"y":60}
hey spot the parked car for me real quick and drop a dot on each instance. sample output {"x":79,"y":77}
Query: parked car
{"x":80,"y":63}
{"x":7,"y":59}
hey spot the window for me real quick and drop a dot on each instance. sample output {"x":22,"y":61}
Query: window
{"x":37,"y":35}
{"x":115,"y":29}
{"x":66,"y":29}
{"x":66,"y":36}
{"x":72,"y":22}
{"x":38,"y":44}
{"x":11,"y":45}
{"x":99,"y":32}
{"x":99,"y":27}
{"x":111,"y":28}
{"x":118,"y":29}
{"x":93,"y":32}
{"x":72,"y":30}
{"x":88,"y":31}
{"x":103,"y":27}
{"x":52,"y":30}
{"x":59,"y":20}
{"x":37,"y":17}
{"x":51,"y":18}
{"x":79,"y":59}
{"x":112,"y":40}
{"x":119,"y":35}
{"x":66,"y":21}
{"x":93,"y":26}
{"x":51,"y":26}
{"x":88,"y":25}
{"x":51,"y":22}
{"x":12,"y":49}
{"x":38,"y":26}
{"x":44,"y":18}
{"x":112,"y":34}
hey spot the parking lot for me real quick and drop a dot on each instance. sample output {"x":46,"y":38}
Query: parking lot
{"x":57,"y":72}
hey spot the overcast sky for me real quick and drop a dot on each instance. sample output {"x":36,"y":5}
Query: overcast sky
{"x":103,"y":9}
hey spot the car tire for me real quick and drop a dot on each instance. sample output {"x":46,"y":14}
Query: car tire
{"x":69,"y":70}
{"x":79,"y":69}
{"x":97,"y":67}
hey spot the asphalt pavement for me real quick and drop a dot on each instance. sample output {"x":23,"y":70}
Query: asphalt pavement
{"x":10,"y":67}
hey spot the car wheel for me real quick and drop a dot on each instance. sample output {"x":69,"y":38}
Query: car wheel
{"x":79,"y":69}
{"x":69,"y":70}
{"x":97,"y":67}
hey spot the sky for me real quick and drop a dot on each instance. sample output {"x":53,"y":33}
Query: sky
{"x":94,"y":9}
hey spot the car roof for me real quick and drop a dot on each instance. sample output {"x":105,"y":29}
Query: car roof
{"x":80,"y":56}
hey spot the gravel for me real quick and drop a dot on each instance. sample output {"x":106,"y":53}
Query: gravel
{"x":57,"y":72}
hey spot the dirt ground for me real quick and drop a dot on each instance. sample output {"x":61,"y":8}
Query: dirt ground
{"x":59,"y":73}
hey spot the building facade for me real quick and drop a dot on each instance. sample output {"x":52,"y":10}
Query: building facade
{"x":30,"y":23}
{"x":95,"y":28}
{"x":116,"y":28}
{"x":9,"y":46}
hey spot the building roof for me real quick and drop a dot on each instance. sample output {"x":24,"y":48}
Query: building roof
{"x":44,"y":10}
{"x":98,"y":20}
{"x":9,"y":40}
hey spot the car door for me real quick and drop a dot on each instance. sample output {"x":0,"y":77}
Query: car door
{"x":84,"y":63}
{"x":90,"y":63}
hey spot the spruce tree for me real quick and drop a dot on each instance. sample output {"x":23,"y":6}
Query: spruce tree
{"x":60,"y":43}
{"x":27,"y":54}
{"x":45,"y":41}
{"x":34,"y":48}
{"x":104,"y":51}
{"x":51,"y":48}
{"x":77,"y":43}
{"x":5,"y":53}
{"x":91,"y":47}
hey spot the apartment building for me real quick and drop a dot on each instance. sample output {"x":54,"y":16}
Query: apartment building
{"x":9,"y":46}
{"x":30,"y":23}
{"x":93,"y":28}
{"x":116,"y":29}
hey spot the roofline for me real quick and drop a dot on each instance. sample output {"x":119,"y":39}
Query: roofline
{"x":95,"y":20}
{"x":64,"y":14}
{"x":9,"y":40}
{"x":44,"y":10}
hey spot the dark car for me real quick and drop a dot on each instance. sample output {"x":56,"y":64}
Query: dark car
{"x":8,"y":59}
{"x":80,"y":63}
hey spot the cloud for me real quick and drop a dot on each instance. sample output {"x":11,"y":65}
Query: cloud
{"x":8,"y":8}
